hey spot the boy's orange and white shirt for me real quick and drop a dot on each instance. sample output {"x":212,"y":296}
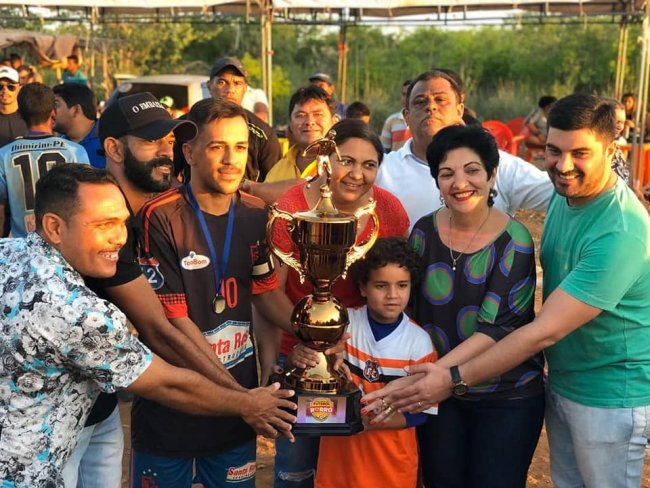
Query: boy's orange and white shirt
{"x":387,"y":458}
{"x":375,"y":363}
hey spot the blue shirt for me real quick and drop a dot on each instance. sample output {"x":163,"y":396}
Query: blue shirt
{"x":22,"y":162}
{"x":92,"y":145}
{"x":78,"y":77}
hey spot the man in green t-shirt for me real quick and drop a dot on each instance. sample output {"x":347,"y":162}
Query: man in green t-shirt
{"x":595,"y":322}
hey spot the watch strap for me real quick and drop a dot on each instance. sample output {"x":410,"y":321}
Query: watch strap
{"x":455,"y":375}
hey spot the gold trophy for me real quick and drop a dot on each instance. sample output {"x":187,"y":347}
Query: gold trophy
{"x":328,"y":403}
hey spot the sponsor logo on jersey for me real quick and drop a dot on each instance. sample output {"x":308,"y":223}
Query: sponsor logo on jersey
{"x":371,"y":370}
{"x":151,"y":270}
{"x":195,"y":261}
{"x":321,"y":409}
{"x":241,"y":473}
{"x":231,"y":342}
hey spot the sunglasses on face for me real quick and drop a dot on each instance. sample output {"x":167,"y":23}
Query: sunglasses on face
{"x":11,"y":88}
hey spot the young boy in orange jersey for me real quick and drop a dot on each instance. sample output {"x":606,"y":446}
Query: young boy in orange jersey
{"x":384,"y":340}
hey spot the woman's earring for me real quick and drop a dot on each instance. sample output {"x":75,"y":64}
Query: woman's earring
{"x":493,"y":193}
{"x":442,"y":201}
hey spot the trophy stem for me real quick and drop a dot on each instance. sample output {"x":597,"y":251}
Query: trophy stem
{"x":322,"y":291}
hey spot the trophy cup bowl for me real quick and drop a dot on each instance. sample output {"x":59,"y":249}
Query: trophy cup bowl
{"x":325,"y":243}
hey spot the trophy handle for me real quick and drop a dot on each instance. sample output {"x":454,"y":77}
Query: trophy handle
{"x":286,"y":257}
{"x":359,"y":250}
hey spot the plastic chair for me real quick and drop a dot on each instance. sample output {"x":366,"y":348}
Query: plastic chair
{"x":516,"y":126}
{"x":502,"y":134}
{"x":518,"y":129}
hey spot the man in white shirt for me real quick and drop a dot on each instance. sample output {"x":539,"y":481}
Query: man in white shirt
{"x":434,"y":102}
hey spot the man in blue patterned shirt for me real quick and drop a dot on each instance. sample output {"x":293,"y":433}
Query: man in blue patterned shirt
{"x":60,"y":344}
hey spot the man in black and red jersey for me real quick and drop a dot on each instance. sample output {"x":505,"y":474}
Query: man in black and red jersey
{"x":205,"y":244}
{"x":137,"y":135}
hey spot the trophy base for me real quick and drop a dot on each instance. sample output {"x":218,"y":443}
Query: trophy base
{"x":328,"y":413}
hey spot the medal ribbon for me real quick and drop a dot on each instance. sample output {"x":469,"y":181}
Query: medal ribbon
{"x":219,"y":271}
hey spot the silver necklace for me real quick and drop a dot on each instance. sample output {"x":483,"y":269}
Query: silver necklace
{"x":454,"y":259}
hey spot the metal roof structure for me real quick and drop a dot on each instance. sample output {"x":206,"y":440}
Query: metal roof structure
{"x":340,"y":12}
{"x":337,"y":10}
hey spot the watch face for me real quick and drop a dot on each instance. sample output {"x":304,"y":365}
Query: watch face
{"x":460,"y":389}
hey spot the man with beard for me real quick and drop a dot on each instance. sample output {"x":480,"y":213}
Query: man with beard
{"x":434,"y":101}
{"x":25,"y":160}
{"x":594,"y":324}
{"x":205,"y":244}
{"x":137,"y":135}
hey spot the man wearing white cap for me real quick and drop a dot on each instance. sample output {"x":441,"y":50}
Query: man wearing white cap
{"x":12,"y":124}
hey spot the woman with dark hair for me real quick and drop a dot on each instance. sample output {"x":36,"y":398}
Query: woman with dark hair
{"x":354,"y":170}
{"x":477,"y":286}
{"x":629,"y":103}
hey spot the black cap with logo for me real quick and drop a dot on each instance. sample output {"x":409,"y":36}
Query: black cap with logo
{"x":142,"y":115}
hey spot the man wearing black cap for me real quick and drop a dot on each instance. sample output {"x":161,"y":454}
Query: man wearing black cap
{"x":228,"y":80}
{"x":138,"y":135}
{"x":324,"y":81}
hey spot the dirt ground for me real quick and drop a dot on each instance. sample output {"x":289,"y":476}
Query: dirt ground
{"x":538,"y":475}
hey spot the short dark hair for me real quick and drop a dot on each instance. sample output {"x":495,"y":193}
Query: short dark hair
{"x":312,"y":92}
{"x":453,"y":137}
{"x":73,"y":57}
{"x":35,"y":103}
{"x":78,"y":94}
{"x":433,"y":74}
{"x":356,"y":110}
{"x":57,"y":190}
{"x":387,"y":250}
{"x":205,"y":111}
{"x":406,"y":83}
{"x":15,"y":56}
{"x":582,"y":111}
{"x":546,"y":100}
{"x":358,"y":129}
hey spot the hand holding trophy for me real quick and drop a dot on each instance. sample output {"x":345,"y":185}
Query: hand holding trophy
{"x":325,"y":245}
